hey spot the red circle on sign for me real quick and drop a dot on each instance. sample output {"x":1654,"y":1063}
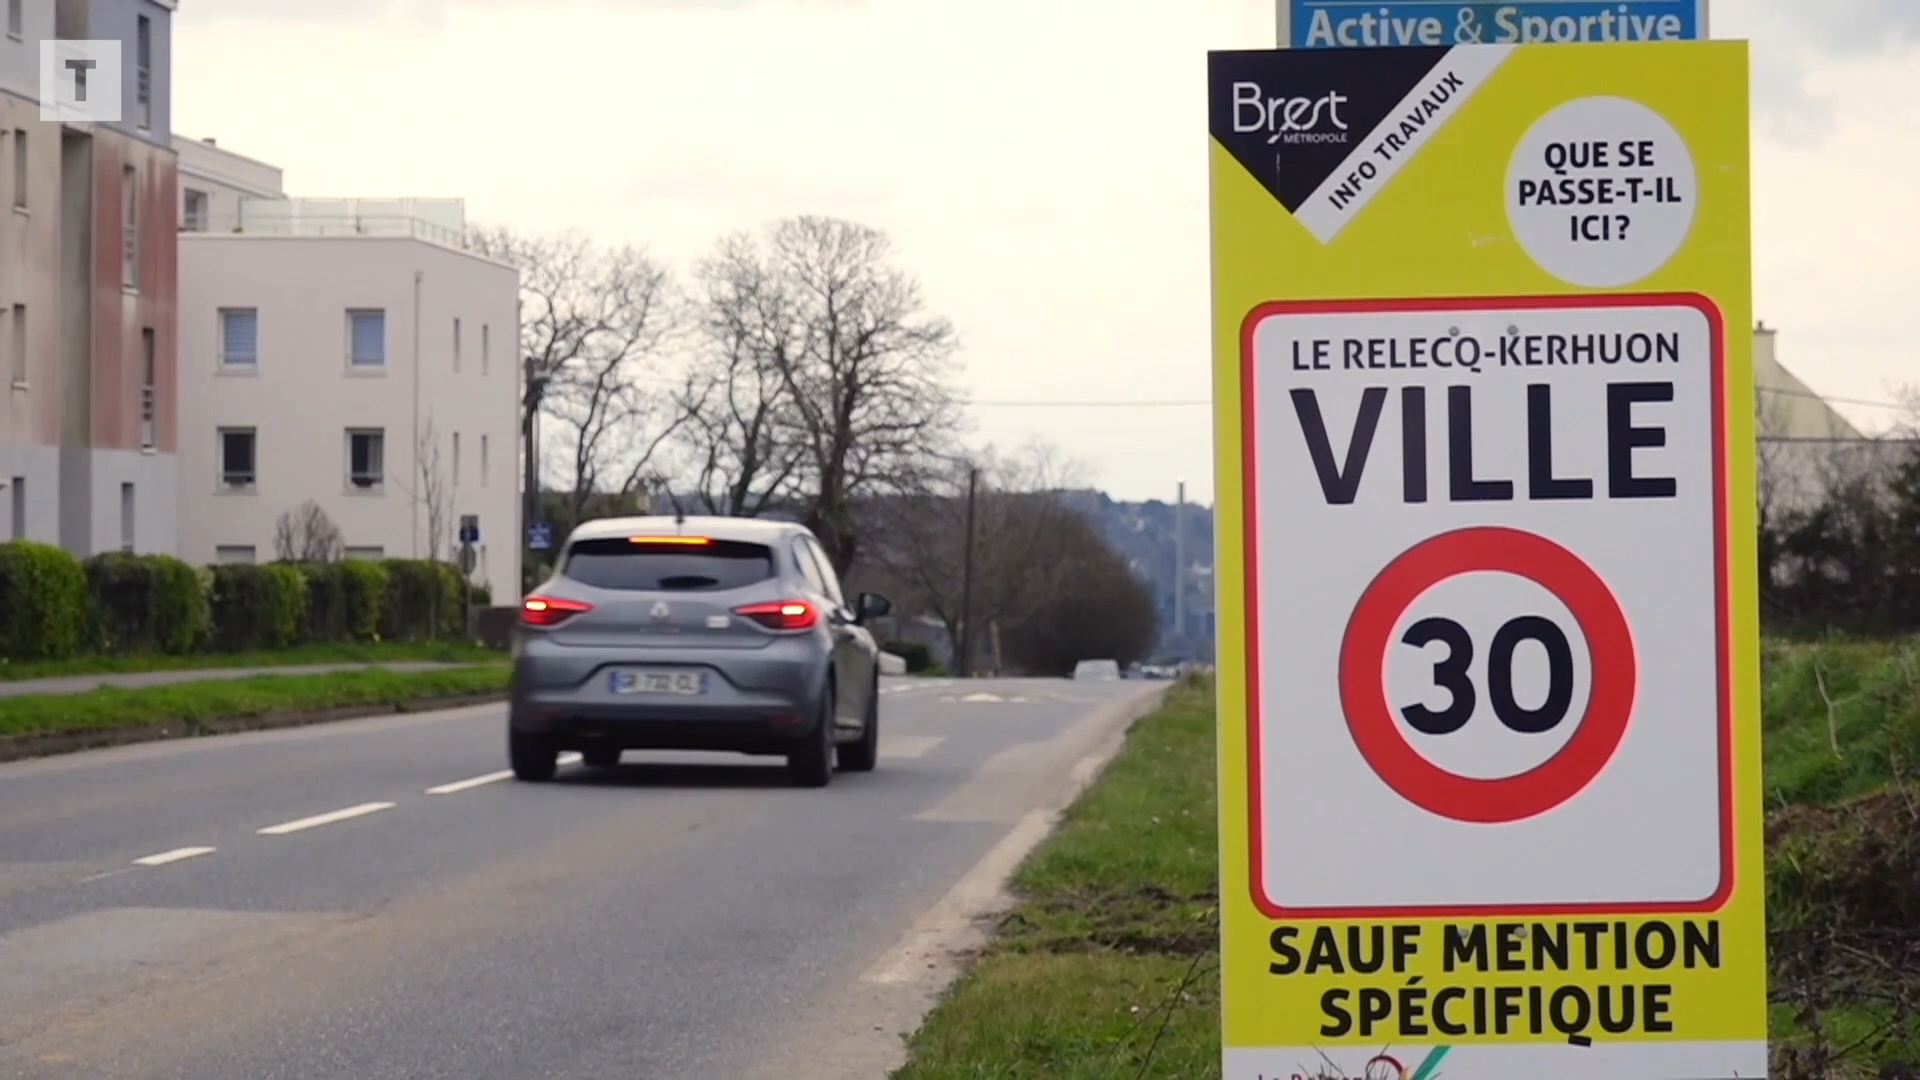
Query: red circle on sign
{"x":1610,"y":698}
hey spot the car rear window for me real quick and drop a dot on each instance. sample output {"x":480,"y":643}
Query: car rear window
{"x":623,"y":564}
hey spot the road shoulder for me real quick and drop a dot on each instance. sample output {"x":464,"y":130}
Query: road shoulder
{"x":896,"y":991}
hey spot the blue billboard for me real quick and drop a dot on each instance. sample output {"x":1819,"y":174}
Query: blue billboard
{"x":1347,"y":24}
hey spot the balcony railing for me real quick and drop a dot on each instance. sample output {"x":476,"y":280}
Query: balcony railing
{"x":437,"y":221}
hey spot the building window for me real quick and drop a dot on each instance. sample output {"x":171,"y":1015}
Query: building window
{"x":456,"y":459}
{"x":195,"y":217}
{"x":366,"y":458}
{"x":126,"y":517}
{"x":20,"y":168}
{"x":19,"y":508}
{"x":239,"y":337}
{"x":238,"y":458}
{"x":149,"y":389}
{"x":18,"y":344}
{"x":16,"y":19}
{"x":235,"y":555}
{"x":143,"y":74}
{"x":456,"y":344}
{"x":370,"y":554}
{"x":130,"y":227}
{"x":483,"y":461}
{"x":367,"y":338}
{"x":486,"y":348}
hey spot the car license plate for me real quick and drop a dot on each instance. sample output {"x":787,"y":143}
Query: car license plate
{"x":682,"y":683}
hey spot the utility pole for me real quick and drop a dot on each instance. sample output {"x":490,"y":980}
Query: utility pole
{"x":1180,"y":565}
{"x":963,"y":654}
{"x":529,"y":417}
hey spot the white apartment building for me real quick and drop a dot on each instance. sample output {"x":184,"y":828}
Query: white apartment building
{"x":347,"y":351}
{"x":88,"y":420}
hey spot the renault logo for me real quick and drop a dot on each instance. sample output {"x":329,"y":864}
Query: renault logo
{"x":661,"y":612}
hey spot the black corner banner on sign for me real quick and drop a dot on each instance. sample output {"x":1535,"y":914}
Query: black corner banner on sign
{"x":1292,"y":118}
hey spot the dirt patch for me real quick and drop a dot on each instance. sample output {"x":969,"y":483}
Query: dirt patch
{"x":1843,"y":886}
{"x":1148,"y":920}
{"x":20,"y":747}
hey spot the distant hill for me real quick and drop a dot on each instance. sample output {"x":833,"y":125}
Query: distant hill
{"x":1145,"y":533}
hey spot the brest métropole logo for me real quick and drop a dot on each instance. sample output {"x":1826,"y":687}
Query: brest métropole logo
{"x":1289,"y":119}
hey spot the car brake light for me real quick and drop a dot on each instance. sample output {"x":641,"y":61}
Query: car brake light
{"x":550,"y":610}
{"x":786,"y":615}
{"x":684,"y":541}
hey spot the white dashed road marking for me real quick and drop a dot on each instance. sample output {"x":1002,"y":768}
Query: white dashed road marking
{"x":173,"y":856}
{"x":908,"y":746}
{"x":326,"y":819}
{"x":464,"y":785}
{"x":491,"y":778}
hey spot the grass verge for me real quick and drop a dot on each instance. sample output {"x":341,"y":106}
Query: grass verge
{"x":1106,"y":967}
{"x":1110,"y":957}
{"x":190,"y":704}
{"x":1842,"y":738}
{"x":384,"y":653}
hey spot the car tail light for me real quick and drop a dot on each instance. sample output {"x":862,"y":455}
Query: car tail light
{"x":679,"y":541}
{"x":550,"y":610}
{"x":787,"y":615}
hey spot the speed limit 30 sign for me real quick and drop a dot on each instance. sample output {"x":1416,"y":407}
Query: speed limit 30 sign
{"x":1487,"y":606}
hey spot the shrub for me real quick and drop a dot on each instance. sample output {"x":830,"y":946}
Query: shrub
{"x":43,"y":601}
{"x":918,"y":657}
{"x":144,"y":604}
{"x":423,"y":601}
{"x":366,"y":591}
{"x":257,"y":607}
{"x":326,"y":616}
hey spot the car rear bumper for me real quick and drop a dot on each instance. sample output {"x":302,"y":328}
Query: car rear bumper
{"x":654,"y":730}
{"x":762,"y":703}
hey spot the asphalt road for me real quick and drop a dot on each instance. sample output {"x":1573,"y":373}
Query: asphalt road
{"x":373,"y":899}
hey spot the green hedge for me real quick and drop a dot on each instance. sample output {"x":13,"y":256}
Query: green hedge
{"x":423,"y":601}
{"x":43,"y":602}
{"x":144,"y":604}
{"x":56,"y":607}
{"x":257,"y":607}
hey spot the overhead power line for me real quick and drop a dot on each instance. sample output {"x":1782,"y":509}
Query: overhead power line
{"x":1172,"y":403}
{"x":1143,"y":403}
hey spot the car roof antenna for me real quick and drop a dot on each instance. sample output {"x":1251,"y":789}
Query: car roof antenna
{"x":679,"y":512}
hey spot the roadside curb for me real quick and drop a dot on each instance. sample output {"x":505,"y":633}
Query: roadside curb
{"x":72,"y":742}
{"x":892,"y":997}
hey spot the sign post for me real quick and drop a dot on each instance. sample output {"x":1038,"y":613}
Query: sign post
{"x":1344,"y":24}
{"x":469,"y":536}
{"x":1489,"y":679}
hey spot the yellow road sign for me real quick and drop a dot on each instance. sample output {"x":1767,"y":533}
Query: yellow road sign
{"x":1488,"y":628}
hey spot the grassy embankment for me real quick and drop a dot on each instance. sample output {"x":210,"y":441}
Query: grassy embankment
{"x":1108,"y":960}
{"x":227,"y":704}
{"x":384,"y":653}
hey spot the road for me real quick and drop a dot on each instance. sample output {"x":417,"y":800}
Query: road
{"x":373,"y":899}
{"x":133,"y":680}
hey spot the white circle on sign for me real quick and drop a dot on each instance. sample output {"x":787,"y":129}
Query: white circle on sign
{"x":1480,"y":605}
{"x":1601,"y":192}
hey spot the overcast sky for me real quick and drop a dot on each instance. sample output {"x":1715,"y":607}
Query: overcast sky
{"x":1040,"y":164}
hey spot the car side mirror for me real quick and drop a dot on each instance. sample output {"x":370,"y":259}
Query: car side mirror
{"x":873,"y":606}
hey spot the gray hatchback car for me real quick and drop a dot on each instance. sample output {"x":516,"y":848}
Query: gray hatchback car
{"x":699,"y":633}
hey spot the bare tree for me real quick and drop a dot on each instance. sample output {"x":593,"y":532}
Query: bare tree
{"x":306,"y":534}
{"x":433,"y":491}
{"x":1024,"y":534}
{"x":835,"y":374}
{"x":597,"y":324}
{"x":740,"y":415}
